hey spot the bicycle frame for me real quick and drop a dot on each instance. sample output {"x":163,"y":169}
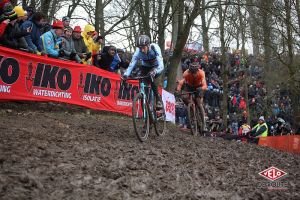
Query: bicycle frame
{"x":147,"y":96}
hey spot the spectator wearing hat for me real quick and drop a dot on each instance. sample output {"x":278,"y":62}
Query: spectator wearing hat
{"x":93,"y":44}
{"x":22,"y":15}
{"x":13,"y":36}
{"x":33,"y":39}
{"x":79,"y":44}
{"x":259,"y":130}
{"x":68,"y":45}
{"x":51,"y":40}
{"x":66,"y":21}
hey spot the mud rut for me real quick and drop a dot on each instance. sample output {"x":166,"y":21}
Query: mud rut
{"x":59,"y":152}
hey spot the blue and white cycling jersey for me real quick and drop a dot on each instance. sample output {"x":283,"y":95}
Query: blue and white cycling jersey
{"x":153,"y":59}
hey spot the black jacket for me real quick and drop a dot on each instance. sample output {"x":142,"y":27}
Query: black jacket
{"x":13,"y":37}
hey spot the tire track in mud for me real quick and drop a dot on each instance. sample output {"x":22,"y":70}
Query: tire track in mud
{"x":59,"y":152}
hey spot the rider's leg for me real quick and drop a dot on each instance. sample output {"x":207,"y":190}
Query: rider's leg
{"x":156,"y":93}
{"x":199,"y":101}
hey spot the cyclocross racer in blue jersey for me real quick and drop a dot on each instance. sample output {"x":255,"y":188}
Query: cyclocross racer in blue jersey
{"x":152,"y":62}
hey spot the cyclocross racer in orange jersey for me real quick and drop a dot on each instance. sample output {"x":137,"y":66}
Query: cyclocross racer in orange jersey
{"x":194,"y":81}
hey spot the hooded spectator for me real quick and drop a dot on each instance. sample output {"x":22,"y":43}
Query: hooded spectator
{"x":22,"y":15}
{"x":13,"y":36}
{"x":35,"y":23}
{"x":51,"y":40}
{"x":93,"y":44}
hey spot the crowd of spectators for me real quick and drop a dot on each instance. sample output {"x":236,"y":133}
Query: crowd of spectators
{"x":276,"y":108}
{"x":23,"y":28}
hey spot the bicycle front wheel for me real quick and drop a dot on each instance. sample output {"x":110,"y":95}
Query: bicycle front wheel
{"x":140,"y":118}
{"x":192,"y":119}
{"x":200,"y":120}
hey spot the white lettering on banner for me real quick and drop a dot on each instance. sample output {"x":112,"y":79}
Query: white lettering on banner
{"x":5,"y":88}
{"x":91,"y":98}
{"x":124,"y":103}
{"x":169,"y":105}
{"x":48,"y":93}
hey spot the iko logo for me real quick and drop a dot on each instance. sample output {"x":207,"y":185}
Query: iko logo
{"x":272,"y":173}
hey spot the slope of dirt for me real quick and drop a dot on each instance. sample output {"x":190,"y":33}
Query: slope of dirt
{"x":54,"y":151}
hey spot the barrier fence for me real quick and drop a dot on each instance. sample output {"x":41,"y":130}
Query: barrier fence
{"x":289,"y":143}
{"x":25,"y":76}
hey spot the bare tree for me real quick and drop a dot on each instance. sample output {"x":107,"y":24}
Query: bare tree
{"x":191,"y":11}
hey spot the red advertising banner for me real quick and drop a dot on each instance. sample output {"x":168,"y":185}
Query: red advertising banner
{"x":25,"y":76}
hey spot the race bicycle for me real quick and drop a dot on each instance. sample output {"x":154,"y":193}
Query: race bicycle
{"x":194,"y":115}
{"x":145,"y":115}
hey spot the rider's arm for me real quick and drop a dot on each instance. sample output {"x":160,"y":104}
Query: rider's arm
{"x":159,"y":58}
{"x":180,"y":84}
{"x":133,"y":62}
{"x":204,"y":84}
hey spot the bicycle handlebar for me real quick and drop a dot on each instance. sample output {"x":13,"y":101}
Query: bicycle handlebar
{"x":138,"y":77}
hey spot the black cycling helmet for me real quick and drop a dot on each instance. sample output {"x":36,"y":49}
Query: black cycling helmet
{"x":193,"y":67}
{"x":142,"y":40}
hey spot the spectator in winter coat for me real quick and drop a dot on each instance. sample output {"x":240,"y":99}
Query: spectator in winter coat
{"x":13,"y":36}
{"x":51,"y":40}
{"x":108,"y":60}
{"x":92,"y":42}
{"x":79,"y":44}
{"x":68,"y":45}
{"x":33,"y":39}
{"x":242,"y":104}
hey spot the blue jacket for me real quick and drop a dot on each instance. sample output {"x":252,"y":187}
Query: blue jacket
{"x":33,"y":38}
{"x":153,"y":58}
{"x":50,"y":43}
{"x":114,"y":65}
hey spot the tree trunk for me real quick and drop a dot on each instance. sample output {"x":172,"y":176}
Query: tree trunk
{"x":204,"y":28}
{"x":162,"y":18}
{"x":253,"y":27}
{"x":72,"y":7}
{"x":267,"y":29}
{"x":183,"y":33}
{"x":293,"y":83}
{"x":225,"y":63}
{"x":298,"y":12}
{"x":53,"y":10}
{"x":45,"y":6}
{"x":98,"y":9}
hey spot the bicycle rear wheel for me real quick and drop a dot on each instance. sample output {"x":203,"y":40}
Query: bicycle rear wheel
{"x":192,"y":119}
{"x":140,"y":118}
{"x":160,"y":123}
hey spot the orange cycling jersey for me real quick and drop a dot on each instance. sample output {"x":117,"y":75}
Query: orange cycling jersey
{"x":193,"y":80}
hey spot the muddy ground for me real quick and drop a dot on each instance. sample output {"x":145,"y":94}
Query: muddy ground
{"x":55,"y":151}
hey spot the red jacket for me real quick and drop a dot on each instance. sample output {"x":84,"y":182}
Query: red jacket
{"x":3,"y":27}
